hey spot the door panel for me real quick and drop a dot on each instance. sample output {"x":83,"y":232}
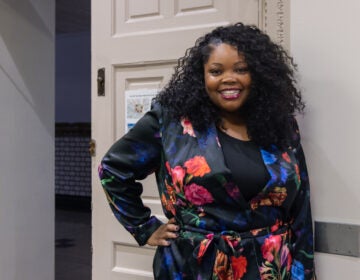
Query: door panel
{"x":136,"y":17}
{"x":137,"y":76}
{"x":127,"y":259}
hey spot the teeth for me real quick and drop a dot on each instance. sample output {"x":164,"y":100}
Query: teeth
{"x":230,"y":92}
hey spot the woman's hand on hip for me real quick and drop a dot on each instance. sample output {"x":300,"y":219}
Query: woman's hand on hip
{"x":161,"y":236}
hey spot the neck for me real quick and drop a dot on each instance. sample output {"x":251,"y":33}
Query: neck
{"x":235,"y":126}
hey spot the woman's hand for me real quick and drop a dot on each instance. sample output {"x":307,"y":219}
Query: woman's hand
{"x":161,"y":236}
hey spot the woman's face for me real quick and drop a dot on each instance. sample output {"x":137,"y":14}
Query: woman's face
{"x":227,"y":78}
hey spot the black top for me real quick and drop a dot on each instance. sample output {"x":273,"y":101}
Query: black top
{"x":245,"y":162}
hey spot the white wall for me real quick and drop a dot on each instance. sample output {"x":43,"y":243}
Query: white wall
{"x":27,"y":139}
{"x":325,"y":41}
{"x":73,"y":91}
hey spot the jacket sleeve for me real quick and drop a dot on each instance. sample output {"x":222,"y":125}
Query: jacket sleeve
{"x":132,"y":158}
{"x":301,"y":225}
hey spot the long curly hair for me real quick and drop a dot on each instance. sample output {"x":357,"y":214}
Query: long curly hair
{"x":274,"y":96}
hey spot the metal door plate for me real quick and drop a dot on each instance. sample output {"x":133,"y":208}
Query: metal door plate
{"x":340,"y":239}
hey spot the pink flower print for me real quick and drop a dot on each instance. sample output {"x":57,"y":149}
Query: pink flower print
{"x":271,"y":247}
{"x":178,"y":174}
{"x":187,"y":127}
{"x":198,"y":195}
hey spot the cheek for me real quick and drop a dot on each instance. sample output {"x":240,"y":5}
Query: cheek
{"x":210,"y":83}
{"x":247,"y":80}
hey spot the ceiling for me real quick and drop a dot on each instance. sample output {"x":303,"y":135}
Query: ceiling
{"x":73,"y":16}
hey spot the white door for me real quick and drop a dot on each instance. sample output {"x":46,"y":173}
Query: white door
{"x":138,"y":42}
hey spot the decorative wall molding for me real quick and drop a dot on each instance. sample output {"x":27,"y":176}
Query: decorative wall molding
{"x":275,"y":20}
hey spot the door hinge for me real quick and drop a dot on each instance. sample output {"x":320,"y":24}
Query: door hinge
{"x":92,"y":147}
{"x":101,"y":82}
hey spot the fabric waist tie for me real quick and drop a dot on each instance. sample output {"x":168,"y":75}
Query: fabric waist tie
{"x":227,"y":242}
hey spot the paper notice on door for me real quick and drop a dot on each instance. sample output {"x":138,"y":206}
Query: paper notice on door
{"x":137,"y":103}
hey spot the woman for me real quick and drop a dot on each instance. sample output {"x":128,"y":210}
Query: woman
{"x":223,"y":142}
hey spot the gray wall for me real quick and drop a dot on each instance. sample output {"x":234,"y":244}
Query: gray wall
{"x":27,"y":139}
{"x":325,"y":41}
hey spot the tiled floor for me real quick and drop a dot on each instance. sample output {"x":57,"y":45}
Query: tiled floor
{"x":73,"y":244}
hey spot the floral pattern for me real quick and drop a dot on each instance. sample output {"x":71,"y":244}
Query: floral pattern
{"x":191,"y":193}
{"x":177,"y":174}
{"x":222,"y":236}
{"x":273,"y":198}
{"x":297,"y":271}
{"x":187,"y":127}
{"x":276,"y":254}
{"x":198,"y":195}
{"x":229,"y":269}
{"x":238,"y":265}
{"x":197,"y":166}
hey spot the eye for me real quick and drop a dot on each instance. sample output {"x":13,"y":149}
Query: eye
{"x":242,"y":70}
{"x":215,"y":72}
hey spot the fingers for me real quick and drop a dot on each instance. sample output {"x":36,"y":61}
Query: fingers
{"x":171,"y":235}
{"x":172,"y":227}
{"x":172,"y":221}
{"x":163,"y":242}
{"x":161,"y":236}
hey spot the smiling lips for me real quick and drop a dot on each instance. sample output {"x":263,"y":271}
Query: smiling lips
{"x":230,"y":94}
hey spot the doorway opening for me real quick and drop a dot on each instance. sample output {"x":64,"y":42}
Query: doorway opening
{"x":72,"y":137}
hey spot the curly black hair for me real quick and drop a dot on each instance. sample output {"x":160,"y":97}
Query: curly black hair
{"x":274,"y":97}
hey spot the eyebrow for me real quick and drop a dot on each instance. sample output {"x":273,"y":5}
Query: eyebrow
{"x":236,"y":63}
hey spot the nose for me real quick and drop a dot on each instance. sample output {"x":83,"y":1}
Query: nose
{"x":229,"y":79}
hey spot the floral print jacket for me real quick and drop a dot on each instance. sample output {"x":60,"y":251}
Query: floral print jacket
{"x":222,"y":236}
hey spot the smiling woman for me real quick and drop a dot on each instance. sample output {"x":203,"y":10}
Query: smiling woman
{"x":223,"y":142}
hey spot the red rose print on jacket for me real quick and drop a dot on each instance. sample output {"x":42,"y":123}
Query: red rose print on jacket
{"x":198,"y":195}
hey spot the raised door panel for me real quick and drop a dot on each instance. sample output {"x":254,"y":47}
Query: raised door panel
{"x":134,"y":17}
{"x":131,"y":262}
